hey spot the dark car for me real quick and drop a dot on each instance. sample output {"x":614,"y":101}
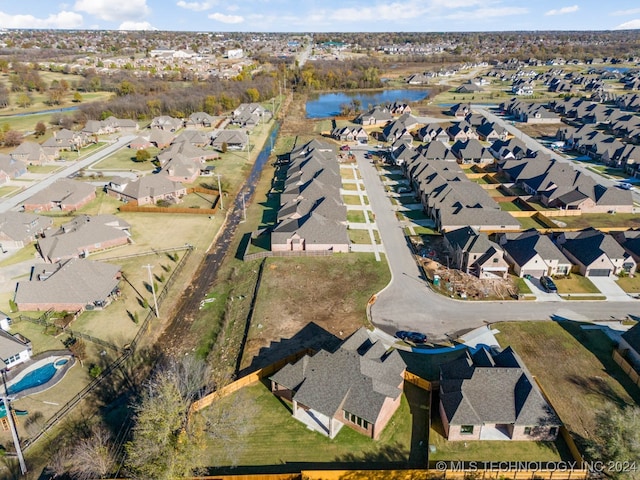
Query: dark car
{"x":548,"y":285}
{"x":413,"y":337}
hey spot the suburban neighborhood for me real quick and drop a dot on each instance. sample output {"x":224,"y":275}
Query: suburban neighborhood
{"x":319,"y":255}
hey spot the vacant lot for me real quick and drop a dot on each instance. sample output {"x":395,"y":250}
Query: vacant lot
{"x":603,"y":220}
{"x":331,"y":292}
{"x":279,"y":439}
{"x":574,"y":367}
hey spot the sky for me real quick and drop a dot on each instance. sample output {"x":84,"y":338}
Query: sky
{"x":322,"y":15}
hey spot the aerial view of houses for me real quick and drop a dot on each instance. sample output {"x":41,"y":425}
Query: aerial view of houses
{"x":400,"y":254}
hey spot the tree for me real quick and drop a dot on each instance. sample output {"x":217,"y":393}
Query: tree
{"x":78,"y":348}
{"x":142,"y":155}
{"x":12,"y":138}
{"x":617,"y":438}
{"x":93,"y":456}
{"x":40,"y":129}
{"x":24,"y":100}
{"x":224,"y":147}
{"x":77,"y":97}
{"x":253,"y":94}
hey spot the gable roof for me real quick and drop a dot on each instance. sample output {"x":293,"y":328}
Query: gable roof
{"x":588,"y":245}
{"x":63,"y":190}
{"x":527,"y":244}
{"x":358,"y":377}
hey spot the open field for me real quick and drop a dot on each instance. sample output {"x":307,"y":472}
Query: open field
{"x":623,"y":221}
{"x":124,"y":159}
{"x":279,"y":439}
{"x":575,"y":368}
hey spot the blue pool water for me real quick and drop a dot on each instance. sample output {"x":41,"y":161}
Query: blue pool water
{"x":38,"y":377}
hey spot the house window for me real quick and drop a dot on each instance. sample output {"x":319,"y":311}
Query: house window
{"x":495,"y":260}
{"x":553,"y":431}
{"x":466,"y":429}
{"x":350,"y":417}
{"x":527,"y":430}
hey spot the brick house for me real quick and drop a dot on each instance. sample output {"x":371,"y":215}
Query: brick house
{"x":64,"y":194}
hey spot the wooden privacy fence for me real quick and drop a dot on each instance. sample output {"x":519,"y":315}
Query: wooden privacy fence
{"x":418,"y":381}
{"x":443,"y":474}
{"x":619,"y":358}
{"x":196,"y":211}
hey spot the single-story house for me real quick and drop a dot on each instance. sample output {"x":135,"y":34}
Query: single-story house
{"x":358,"y":385}
{"x":64,"y":194}
{"x":32,"y":153}
{"x":18,"y":229}
{"x":596,"y":254}
{"x":534,"y":254}
{"x":146,"y":190}
{"x":234,"y":139}
{"x":72,"y":285}
{"x":14,"y":350}
{"x":485,"y":396}
{"x":166,"y":123}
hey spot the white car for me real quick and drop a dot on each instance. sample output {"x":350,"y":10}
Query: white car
{"x":625,"y":186}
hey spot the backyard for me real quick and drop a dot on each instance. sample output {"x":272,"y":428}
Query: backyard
{"x":575,"y":368}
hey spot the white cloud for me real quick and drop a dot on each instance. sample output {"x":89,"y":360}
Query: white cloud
{"x":621,"y":13}
{"x":630,"y":25}
{"x":58,"y":20}
{"x":221,"y":17}
{"x":482,"y":13}
{"x":114,"y":10}
{"x":129,"y":25}
{"x":195,"y":6}
{"x":563,"y":10}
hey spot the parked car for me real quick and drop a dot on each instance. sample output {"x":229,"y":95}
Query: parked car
{"x":625,"y":186}
{"x":403,"y":189}
{"x":413,"y":337}
{"x":345,"y":148}
{"x":548,"y":285}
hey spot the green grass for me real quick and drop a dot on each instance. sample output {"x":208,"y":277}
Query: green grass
{"x":575,"y":284}
{"x":354,"y":199}
{"x":350,"y":186}
{"x":603,"y":220}
{"x":356,"y":216}
{"x":279,"y":439}
{"x":7,"y":191}
{"x":27,"y":252}
{"x":630,"y":284}
{"x":420,"y":230}
{"x":575,"y":368}
{"x":360,"y":236}
{"x":123,"y":159}
{"x":530,"y":222}
{"x":522,"y":286}
{"x":43,"y":168}
{"x":494,"y":450}
{"x":510,"y":206}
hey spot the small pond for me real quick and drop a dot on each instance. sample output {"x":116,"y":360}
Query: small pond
{"x":328,"y":104}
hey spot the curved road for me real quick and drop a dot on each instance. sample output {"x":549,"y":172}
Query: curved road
{"x":408,"y":303}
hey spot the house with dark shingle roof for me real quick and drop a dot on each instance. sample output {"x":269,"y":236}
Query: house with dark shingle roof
{"x":64,"y":194}
{"x":596,"y":253}
{"x":485,"y":396}
{"x":473,"y":253}
{"x":534,"y":254}
{"x":18,"y":229}
{"x":146,"y":190}
{"x":630,"y":345}
{"x":471,"y":151}
{"x":358,"y":385}
{"x":376,"y":116}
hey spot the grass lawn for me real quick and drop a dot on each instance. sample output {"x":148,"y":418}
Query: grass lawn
{"x":575,"y":368}
{"x":630,"y":284}
{"x":360,"y":236}
{"x":350,"y":186}
{"x":603,"y":220}
{"x":494,"y":450}
{"x":43,"y":168}
{"x":356,"y":216}
{"x":530,"y":222}
{"x":279,"y":439}
{"x":103,"y":203}
{"x":575,"y":284}
{"x":510,"y":206}
{"x":354,"y":199}
{"x":522,"y":286}
{"x":350,"y":174}
{"x":7,"y":191}
{"x":28,"y":252}
{"x":420,"y":230}
{"x":123,"y":159}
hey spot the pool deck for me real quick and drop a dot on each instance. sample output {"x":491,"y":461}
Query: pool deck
{"x":16,"y":373}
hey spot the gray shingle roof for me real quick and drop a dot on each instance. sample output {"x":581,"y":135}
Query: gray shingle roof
{"x":357,"y":378}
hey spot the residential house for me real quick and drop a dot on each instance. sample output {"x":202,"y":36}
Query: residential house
{"x":469,"y":87}
{"x":146,"y":190}
{"x":32,"y":153}
{"x":124,"y":125}
{"x":630,"y":241}
{"x":461,"y":131}
{"x":358,"y":385}
{"x":460,"y":110}
{"x":630,"y":346}
{"x":399,"y":128}
{"x":72,"y":285}
{"x":248,"y":115}
{"x":490,"y":132}
{"x":166,"y":123}
{"x":11,"y":168}
{"x":533,"y":254}
{"x":14,"y":350}
{"x":486,"y":396}
{"x":350,"y":134}
{"x":376,"y":116}
{"x":431,"y":132}
{"x":64,"y":140}
{"x":83,"y":236}
{"x":471,"y":151}
{"x":233,"y":139}
{"x":200,"y":119}
{"x":140,"y":143}
{"x":595,"y":253}
{"x":193,"y":137}
{"x":18,"y":229}
{"x":63,"y":194}
{"x":473,"y":253}
{"x":161,"y":138}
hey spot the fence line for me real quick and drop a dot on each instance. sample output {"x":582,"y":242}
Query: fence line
{"x":627,"y":367}
{"x":126,"y":353}
{"x":197,"y":211}
{"x":148,"y":252}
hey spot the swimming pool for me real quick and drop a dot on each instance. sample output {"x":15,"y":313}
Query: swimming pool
{"x":38,"y":376}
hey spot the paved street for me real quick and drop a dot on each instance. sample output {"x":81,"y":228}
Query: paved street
{"x":407,"y":303}
{"x":17,"y":200}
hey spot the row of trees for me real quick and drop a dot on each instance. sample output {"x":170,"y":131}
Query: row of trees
{"x":335,"y":74}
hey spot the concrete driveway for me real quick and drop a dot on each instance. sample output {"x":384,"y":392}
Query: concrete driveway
{"x":609,"y":288}
{"x":541,"y":294}
{"x":408,"y":303}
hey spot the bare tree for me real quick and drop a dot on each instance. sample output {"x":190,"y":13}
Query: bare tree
{"x":93,"y":456}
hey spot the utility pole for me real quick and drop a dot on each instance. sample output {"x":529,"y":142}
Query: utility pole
{"x":220,"y":191}
{"x":153,"y":289}
{"x":12,"y":425}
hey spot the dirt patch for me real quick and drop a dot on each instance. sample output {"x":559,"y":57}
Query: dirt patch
{"x":432,"y":257}
{"x":540,"y":130}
